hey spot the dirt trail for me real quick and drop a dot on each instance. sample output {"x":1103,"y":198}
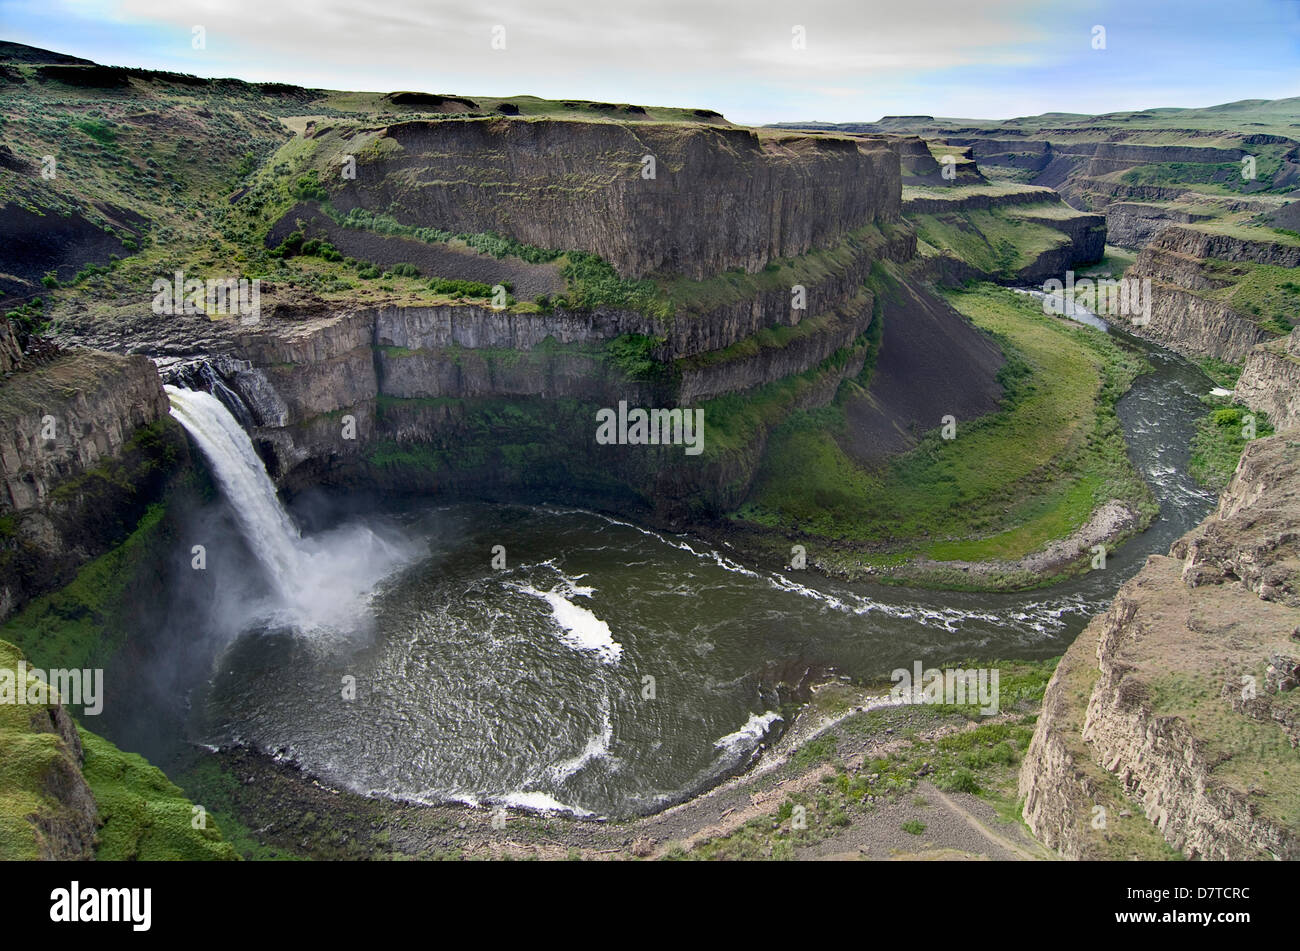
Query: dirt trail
{"x":982,"y":829}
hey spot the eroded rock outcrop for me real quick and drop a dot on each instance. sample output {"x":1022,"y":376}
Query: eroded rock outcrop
{"x":1179,"y":703}
{"x":1183,"y":314}
{"x":85,"y":444}
{"x":1017,"y":234}
{"x":1270,"y":381}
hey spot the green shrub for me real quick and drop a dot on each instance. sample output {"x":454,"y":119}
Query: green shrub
{"x":959,"y":780}
{"x":307,"y":187}
{"x":99,"y":130}
{"x":458,"y":288}
{"x":634,"y":355}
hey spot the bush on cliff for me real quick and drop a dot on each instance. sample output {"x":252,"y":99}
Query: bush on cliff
{"x":307,"y":187}
{"x":1220,"y":439}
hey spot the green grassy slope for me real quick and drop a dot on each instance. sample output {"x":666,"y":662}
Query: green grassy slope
{"x":1008,"y":484}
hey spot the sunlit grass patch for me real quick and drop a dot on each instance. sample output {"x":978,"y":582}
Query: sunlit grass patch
{"x":1008,"y":484}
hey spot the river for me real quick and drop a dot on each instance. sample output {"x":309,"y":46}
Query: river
{"x":603,"y":669}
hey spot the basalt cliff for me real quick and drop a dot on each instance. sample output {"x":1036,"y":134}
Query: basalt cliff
{"x":1175,"y":716}
{"x":748,"y":272}
{"x":1205,"y":199}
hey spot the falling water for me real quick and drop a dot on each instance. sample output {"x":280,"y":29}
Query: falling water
{"x":319,"y":581}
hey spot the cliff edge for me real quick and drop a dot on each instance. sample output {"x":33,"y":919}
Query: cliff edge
{"x":1177,"y":710}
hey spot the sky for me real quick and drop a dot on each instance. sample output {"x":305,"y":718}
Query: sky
{"x":858,"y":60}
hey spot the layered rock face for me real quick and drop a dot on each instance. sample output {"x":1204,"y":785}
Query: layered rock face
{"x":420,"y":381}
{"x":1042,"y":235}
{"x":979,"y":200}
{"x":920,"y":167}
{"x":69,"y":418}
{"x":719,"y":198}
{"x":75,"y":475}
{"x":1183,"y":317}
{"x":422,"y":377}
{"x":1270,"y":381}
{"x":1133,"y":224}
{"x":1086,"y":173}
{"x":1179,"y":704}
{"x":423,"y":391}
{"x":10,"y":353}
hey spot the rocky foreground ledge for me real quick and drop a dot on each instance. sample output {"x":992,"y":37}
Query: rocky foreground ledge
{"x":1178,"y":708}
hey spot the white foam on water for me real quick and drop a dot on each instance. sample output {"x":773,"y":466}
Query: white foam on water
{"x":949,"y":619}
{"x":580,"y":628}
{"x":597,"y":747}
{"x":749,"y":735}
{"x":539,"y":802}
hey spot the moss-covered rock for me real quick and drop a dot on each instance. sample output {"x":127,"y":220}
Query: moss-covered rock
{"x":46,"y":808}
{"x":66,"y":793}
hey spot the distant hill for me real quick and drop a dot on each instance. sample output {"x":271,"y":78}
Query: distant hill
{"x":21,"y":53}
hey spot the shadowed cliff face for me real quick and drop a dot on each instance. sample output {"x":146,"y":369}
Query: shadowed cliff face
{"x":86,"y":447}
{"x":447,"y":398}
{"x":719,"y":198}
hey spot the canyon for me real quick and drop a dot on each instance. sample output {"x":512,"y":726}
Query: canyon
{"x":758,"y":277}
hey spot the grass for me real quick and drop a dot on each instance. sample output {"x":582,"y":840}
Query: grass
{"x":80,"y":625}
{"x":1246,"y":232}
{"x":688,"y":296}
{"x":995,"y":241}
{"x":33,"y":761}
{"x":983,"y":760}
{"x":1223,"y":373}
{"x":1114,"y":262}
{"x":956,"y":193}
{"x":209,"y":782}
{"x":143,"y":815}
{"x":590,"y":281}
{"x":1221,"y":437}
{"x":1008,"y":484}
{"x":1268,"y":295}
{"x":736,"y":420}
{"x":1220,"y":175}
{"x":1252,"y":756}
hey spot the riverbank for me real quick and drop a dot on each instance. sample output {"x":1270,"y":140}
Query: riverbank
{"x":873,"y":779}
{"x":1016,"y":499}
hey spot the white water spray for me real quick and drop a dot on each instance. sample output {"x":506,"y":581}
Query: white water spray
{"x":319,"y":582}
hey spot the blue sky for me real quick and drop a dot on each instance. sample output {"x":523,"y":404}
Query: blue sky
{"x":861,"y":60}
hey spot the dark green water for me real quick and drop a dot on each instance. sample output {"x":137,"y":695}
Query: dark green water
{"x":527,"y":685}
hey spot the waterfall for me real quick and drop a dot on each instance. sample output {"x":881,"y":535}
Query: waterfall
{"x":267,"y":527}
{"x":318,"y":581}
